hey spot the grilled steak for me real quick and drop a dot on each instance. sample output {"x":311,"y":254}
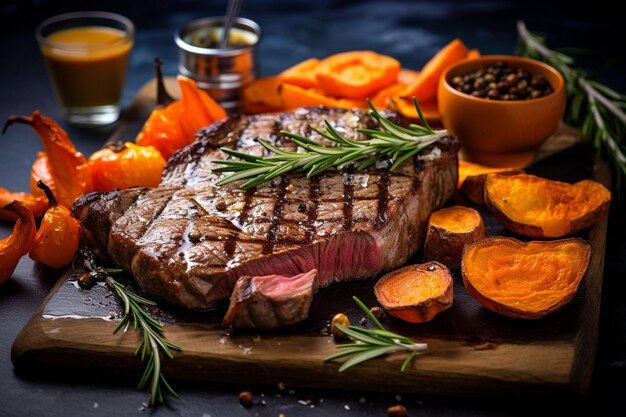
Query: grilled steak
{"x":271,"y":301}
{"x":188,"y":241}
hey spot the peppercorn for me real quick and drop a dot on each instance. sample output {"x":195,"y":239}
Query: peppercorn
{"x":396,"y":411}
{"x":85,"y":281}
{"x":194,"y":236}
{"x":501,"y":82}
{"x":221,"y":205}
{"x":342,"y":320}
{"x":376,"y":312}
{"x":245,"y":399}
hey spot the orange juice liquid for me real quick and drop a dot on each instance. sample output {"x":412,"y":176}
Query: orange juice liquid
{"x":88,"y":65}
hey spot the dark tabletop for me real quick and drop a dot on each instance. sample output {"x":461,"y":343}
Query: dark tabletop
{"x":411,"y":31}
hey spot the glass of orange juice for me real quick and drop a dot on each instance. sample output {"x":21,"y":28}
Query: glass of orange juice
{"x":87,"y":55}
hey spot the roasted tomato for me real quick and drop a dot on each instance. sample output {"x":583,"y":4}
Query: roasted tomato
{"x":124,"y":165}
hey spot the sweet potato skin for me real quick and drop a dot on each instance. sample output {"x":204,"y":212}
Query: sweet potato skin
{"x":558,"y":299}
{"x":473,"y":186}
{"x":503,"y":208}
{"x":422,"y":311}
{"x":445,"y":245}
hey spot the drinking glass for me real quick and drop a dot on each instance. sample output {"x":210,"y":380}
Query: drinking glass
{"x":87,"y":55}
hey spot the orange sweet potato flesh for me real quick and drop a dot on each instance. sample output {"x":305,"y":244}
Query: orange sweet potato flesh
{"x":416,"y":293}
{"x":472,"y":179}
{"x":538,"y":207}
{"x":448,"y":231}
{"x":356,"y":74}
{"x":303,"y":74}
{"x":524,"y":280}
{"x":425,"y":88}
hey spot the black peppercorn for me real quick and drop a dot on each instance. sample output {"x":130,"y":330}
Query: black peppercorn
{"x":501,"y":82}
{"x":194,"y":236}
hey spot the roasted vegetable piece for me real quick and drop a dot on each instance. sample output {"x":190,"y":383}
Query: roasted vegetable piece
{"x":538,"y":207}
{"x":303,"y":74}
{"x":472,"y":179}
{"x":63,"y":163}
{"x":381,"y":97}
{"x":56,"y":241}
{"x":406,"y":107}
{"x":356,"y":74}
{"x":40,"y":171}
{"x":36,"y":205}
{"x":19,"y":242}
{"x":473,"y":54}
{"x":124,"y":165}
{"x":425,"y":88}
{"x":408,"y":76}
{"x":525,"y":280}
{"x":294,"y":96}
{"x":416,"y":293}
{"x":448,"y":231}
{"x":173,"y":124}
{"x":261,"y":96}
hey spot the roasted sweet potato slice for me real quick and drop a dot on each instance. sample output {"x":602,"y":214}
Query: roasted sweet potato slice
{"x":303,"y":74}
{"x":416,"y":293}
{"x":524,"y":280}
{"x":294,"y":96}
{"x":448,"y":231}
{"x":356,"y":74}
{"x":425,"y":87}
{"x":261,"y":96}
{"x":472,"y":179}
{"x":538,"y":207}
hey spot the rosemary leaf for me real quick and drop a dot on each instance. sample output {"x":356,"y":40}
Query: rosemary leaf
{"x":152,"y":342}
{"x":372,"y":343}
{"x":390,"y":141}
{"x":597,"y":110}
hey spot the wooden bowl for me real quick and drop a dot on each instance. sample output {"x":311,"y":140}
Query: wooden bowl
{"x":496,"y":132}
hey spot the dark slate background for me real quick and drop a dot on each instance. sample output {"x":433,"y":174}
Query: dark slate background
{"x":411,"y":31}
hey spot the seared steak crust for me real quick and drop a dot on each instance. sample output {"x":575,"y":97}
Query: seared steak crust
{"x":188,"y":240}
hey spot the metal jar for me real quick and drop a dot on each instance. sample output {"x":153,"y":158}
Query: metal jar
{"x":220,"y":72}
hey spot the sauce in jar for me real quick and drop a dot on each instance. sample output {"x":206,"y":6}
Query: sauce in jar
{"x":87,"y":64}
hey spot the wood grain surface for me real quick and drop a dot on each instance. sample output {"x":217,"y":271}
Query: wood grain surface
{"x":472,"y":351}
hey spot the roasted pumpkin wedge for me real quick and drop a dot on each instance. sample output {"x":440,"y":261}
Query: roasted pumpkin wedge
{"x":539,"y":207}
{"x":448,"y":231}
{"x":524,"y":280}
{"x":416,"y":293}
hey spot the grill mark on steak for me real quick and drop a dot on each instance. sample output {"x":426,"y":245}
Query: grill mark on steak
{"x":418,"y":167}
{"x":155,"y":216}
{"x":383,"y":198}
{"x":348,"y":190}
{"x":233,"y":238}
{"x":314,"y":197}
{"x":351,"y":229}
{"x":277,"y":218}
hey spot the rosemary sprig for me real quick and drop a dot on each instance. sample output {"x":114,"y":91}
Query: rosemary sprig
{"x":596,"y":109}
{"x":372,"y":343}
{"x":152,"y":342}
{"x":392,"y":141}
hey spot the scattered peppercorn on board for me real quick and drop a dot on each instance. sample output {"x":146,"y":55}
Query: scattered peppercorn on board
{"x":472,"y":351}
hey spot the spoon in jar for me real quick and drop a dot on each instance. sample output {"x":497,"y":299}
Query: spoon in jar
{"x":232,"y":10}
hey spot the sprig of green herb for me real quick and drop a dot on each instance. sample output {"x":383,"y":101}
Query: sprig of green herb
{"x":372,"y":343}
{"x":152,"y":343}
{"x":597,"y":110}
{"x":392,"y":141}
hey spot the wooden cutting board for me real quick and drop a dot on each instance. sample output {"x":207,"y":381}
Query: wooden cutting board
{"x":472,"y":351}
